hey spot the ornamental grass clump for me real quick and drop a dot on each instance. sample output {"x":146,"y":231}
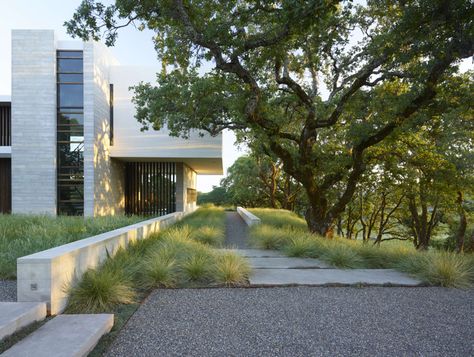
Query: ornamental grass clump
{"x":231,"y":269}
{"x":341,"y":255}
{"x":280,"y":218}
{"x":159,"y":269}
{"x":304,"y":245}
{"x":197,"y":268}
{"x":264,"y":236}
{"x":209,"y":235}
{"x":439,"y":268}
{"x":99,"y":291}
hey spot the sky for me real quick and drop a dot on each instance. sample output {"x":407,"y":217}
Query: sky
{"x":133,"y":47}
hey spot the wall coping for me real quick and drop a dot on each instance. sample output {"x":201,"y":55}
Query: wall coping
{"x":249,"y":218}
{"x":91,"y":241}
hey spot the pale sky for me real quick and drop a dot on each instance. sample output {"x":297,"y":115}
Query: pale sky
{"x":132,"y":48}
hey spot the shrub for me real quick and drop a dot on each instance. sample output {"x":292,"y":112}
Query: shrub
{"x":231,"y":269}
{"x":100,"y":291}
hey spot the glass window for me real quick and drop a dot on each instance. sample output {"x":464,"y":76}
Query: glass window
{"x":71,"y":95}
{"x":70,"y":77}
{"x":70,"y":65}
{"x":71,"y":118}
{"x":69,"y":54}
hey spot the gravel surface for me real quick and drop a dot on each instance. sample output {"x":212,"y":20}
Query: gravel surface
{"x":301,"y":321}
{"x":235,"y":231}
{"x":7,"y":290}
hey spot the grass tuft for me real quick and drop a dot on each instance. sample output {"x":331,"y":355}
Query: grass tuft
{"x":209,"y":235}
{"x":341,"y":256}
{"x":197,"y":267}
{"x":231,"y":269}
{"x":100,"y":290}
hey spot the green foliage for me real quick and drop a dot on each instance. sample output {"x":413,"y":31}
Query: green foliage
{"x":265,"y":236}
{"x":172,"y":258}
{"x":217,"y":196}
{"x":433,"y":267}
{"x":22,"y":235}
{"x":231,"y":269}
{"x":319,"y":87}
{"x":209,"y":235}
{"x":100,"y":290}
{"x":341,"y":255}
{"x":280,"y":218}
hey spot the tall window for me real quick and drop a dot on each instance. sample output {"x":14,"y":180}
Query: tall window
{"x":70,"y":132}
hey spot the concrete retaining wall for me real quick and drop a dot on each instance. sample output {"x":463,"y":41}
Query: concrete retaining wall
{"x":249,"y":218}
{"x":45,"y":276}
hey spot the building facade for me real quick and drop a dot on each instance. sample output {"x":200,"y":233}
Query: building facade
{"x":69,"y":142}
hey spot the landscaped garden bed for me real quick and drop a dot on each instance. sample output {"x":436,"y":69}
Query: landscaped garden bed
{"x":21,"y":235}
{"x":285,"y":231}
{"x":181,"y":256}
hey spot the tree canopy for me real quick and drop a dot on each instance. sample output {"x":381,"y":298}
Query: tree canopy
{"x":320,"y":84}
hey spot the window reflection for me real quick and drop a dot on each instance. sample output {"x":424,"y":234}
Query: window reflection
{"x":70,"y":133}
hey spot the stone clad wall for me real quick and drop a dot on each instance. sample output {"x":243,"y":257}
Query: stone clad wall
{"x":33,"y":121}
{"x":186,"y":178}
{"x":103,"y":177}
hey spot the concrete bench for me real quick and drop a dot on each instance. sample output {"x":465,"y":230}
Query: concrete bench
{"x":249,"y":218}
{"x":45,"y":276}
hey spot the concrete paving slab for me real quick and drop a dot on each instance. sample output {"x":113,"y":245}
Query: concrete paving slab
{"x":318,"y":277}
{"x":286,"y":263}
{"x":16,"y":315}
{"x":64,"y":336}
{"x":256,"y":253}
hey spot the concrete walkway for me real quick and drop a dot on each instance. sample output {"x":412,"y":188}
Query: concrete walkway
{"x":271,"y":268}
{"x":236,"y":231}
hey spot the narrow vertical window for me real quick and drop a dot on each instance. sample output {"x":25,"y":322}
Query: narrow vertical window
{"x":111,"y":105}
{"x":70,"y":133}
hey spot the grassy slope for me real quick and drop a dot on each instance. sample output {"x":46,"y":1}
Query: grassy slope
{"x":22,"y":235}
{"x":286,"y":231}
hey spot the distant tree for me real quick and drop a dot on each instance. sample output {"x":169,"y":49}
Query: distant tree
{"x":275,"y":61}
{"x":217,"y":196}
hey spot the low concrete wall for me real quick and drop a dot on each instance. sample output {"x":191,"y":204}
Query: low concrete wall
{"x":249,"y":218}
{"x":45,"y":276}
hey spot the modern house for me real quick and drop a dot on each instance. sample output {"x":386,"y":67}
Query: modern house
{"x":69,"y":142}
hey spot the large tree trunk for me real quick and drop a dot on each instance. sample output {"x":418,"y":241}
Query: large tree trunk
{"x":318,"y":221}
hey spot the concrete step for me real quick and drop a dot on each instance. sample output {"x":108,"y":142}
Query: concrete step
{"x":319,"y":277}
{"x":16,"y":315}
{"x":64,"y":336}
{"x":286,"y":263}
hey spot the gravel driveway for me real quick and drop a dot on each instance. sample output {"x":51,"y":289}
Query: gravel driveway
{"x":7,"y":290}
{"x":301,"y":321}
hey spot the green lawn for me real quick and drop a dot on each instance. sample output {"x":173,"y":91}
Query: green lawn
{"x":285,"y":231}
{"x":22,"y":235}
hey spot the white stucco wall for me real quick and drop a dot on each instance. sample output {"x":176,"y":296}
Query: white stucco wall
{"x":33,"y":121}
{"x":203,"y":154}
